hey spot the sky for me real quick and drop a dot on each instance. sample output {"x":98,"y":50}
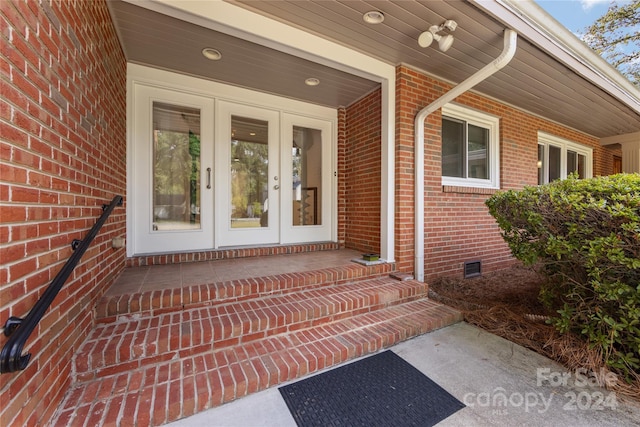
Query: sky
{"x":576,"y":15}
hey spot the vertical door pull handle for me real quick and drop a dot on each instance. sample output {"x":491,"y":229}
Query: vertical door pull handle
{"x":208,"y":178}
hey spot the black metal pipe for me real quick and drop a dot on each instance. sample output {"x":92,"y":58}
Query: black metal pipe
{"x":11,"y":357}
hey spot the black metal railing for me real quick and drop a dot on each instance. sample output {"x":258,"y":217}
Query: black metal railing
{"x":19,"y":329}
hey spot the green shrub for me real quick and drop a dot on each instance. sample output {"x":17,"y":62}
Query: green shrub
{"x":585,"y":237}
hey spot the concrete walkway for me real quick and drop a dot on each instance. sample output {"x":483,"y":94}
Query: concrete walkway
{"x":502,"y":384}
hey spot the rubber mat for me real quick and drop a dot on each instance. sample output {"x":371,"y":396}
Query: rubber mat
{"x":380,"y":390}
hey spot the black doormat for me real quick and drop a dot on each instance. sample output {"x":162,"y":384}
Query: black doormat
{"x":381,"y":390}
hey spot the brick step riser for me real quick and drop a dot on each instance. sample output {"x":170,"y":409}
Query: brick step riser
{"x":215,"y":330}
{"x":152,"y":303}
{"x":146,"y":397}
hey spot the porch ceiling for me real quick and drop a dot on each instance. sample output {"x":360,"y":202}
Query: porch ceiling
{"x":534,"y":81}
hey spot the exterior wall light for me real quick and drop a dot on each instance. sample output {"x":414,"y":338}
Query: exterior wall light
{"x":444,"y":42}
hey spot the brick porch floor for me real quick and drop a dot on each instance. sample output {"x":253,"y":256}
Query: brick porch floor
{"x":159,"y":277}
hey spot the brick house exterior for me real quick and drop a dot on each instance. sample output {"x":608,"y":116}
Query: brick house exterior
{"x":63,"y":146}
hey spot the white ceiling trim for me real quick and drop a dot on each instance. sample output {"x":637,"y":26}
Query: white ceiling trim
{"x":540,"y":28}
{"x":619,"y":139}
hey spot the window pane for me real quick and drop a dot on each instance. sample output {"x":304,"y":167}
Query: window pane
{"x":554,"y":163}
{"x":176,"y":167}
{"x":453,"y":142}
{"x":540,"y":164}
{"x":582,"y":165}
{"x":249,"y":172}
{"x":307,"y":176}
{"x":572,"y":162}
{"x":478,"y":152}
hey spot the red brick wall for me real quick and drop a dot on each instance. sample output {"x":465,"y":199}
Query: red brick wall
{"x":62,"y":149}
{"x":458,"y":227}
{"x":362,"y":174}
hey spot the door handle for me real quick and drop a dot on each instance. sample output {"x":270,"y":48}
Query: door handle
{"x":276,"y":187}
{"x":209,"y":178}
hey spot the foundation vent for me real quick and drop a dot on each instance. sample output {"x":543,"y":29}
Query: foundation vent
{"x":472,"y":269}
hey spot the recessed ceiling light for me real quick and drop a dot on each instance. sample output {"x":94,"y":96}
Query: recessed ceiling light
{"x":312,"y":81}
{"x":373,"y":17}
{"x":211,"y":53}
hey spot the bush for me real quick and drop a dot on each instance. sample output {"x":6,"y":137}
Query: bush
{"x":585,"y":237}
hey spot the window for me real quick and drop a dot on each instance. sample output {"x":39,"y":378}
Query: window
{"x":470,"y":148}
{"x":557,"y":158}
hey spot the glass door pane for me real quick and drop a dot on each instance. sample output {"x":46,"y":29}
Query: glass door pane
{"x":554,"y":163}
{"x":176,"y":167}
{"x":572,"y":162}
{"x":582,"y":166}
{"x":307,"y":171}
{"x":249,"y":172}
{"x":247,"y":175}
{"x":306,"y":155}
{"x":541,"y":162}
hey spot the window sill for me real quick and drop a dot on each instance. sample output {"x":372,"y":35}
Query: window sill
{"x":468,"y":190}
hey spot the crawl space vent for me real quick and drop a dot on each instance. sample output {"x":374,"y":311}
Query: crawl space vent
{"x":472,"y":269}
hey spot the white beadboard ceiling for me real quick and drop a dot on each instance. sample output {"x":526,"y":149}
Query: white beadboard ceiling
{"x":533,"y":80}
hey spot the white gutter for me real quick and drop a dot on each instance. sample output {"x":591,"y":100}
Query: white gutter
{"x":507,"y":54}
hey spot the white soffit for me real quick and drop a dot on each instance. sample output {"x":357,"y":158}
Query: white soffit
{"x":547,"y":33}
{"x":282,"y":42}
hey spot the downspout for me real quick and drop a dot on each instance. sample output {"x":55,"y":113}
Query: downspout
{"x":505,"y":57}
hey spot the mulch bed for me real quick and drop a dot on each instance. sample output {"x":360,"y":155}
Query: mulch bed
{"x":506,"y":304}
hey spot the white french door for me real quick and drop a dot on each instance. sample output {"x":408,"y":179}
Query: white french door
{"x":207,"y":172}
{"x":172,"y":150}
{"x":306,"y":164}
{"x":247,"y":175}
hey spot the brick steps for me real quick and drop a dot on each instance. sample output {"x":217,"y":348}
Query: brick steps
{"x":173,"y":389}
{"x":158,"y":356}
{"x":109,"y":308}
{"x":140,"y":341}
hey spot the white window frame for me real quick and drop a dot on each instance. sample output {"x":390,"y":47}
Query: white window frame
{"x":486,"y":121}
{"x":546,"y":140}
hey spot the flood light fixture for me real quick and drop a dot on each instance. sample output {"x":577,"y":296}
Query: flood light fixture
{"x":444,"y":41}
